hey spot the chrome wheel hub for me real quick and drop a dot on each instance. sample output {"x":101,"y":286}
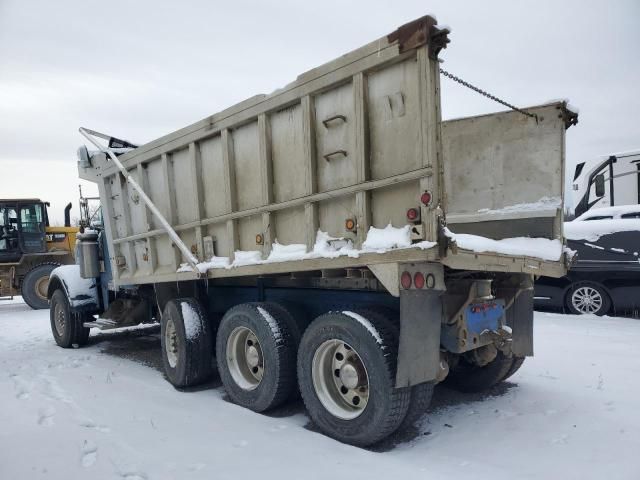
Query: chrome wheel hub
{"x":349,"y":376}
{"x":586,"y":299}
{"x":340,"y":379}
{"x":253,"y":356}
{"x":59,"y":319}
{"x":244,"y":358}
{"x":171,"y":343}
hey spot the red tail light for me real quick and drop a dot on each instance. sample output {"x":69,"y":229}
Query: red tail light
{"x":413,"y":214}
{"x":425,"y":198}
{"x":405,"y":280}
{"x":418,"y":280}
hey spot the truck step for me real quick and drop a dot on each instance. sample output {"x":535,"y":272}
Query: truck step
{"x":103,"y":324}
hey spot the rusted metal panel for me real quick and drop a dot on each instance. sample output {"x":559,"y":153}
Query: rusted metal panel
{"x":419,"y":32}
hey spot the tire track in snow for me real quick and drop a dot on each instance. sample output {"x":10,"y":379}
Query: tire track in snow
{"x":20,"y":386}
{"x":45,"y":416}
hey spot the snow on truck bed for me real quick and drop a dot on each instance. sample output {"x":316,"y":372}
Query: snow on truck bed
{"x":542,"y":248}
{"x":105,"y":412}
{"x":382,"y":240}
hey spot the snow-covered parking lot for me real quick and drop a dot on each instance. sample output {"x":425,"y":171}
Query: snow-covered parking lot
{"x":106,"y":411}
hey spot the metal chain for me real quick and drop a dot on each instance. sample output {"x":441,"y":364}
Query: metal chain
{"x":488,"y":95}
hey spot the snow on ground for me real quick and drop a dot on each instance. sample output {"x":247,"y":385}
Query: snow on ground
{"x":106,"y":411}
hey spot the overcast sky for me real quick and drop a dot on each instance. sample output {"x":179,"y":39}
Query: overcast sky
{"x":141,"y":69}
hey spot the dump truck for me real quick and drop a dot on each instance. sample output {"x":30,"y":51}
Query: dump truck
{"x":333,"y":239}
{"x":30,"y":249}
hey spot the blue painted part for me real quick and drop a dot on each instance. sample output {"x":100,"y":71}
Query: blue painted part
{"x":485,"y":319}
{"x":105,"y":277}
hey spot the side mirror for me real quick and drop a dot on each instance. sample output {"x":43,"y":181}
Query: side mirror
{"x":600,"y":185}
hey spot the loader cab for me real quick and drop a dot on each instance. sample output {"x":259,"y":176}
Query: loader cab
{"x":22,"y":228}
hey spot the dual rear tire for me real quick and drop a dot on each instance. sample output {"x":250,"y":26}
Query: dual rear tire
{"x":344,"y":365}
{"x":346,"y":374}
{"x":255,"y":350}
{"x":345,"y":368}
{"x":469,"y":378}
{"x":186,"y":338}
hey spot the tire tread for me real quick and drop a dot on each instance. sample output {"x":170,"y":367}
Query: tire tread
{"x":26,"y":294}
{"x":398,"y":397}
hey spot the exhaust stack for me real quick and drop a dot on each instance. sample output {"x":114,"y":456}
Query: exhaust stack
{"x":67,"y":215}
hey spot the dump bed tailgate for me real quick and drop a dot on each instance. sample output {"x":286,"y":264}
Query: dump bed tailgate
{"x":503,"y":179}
{"x":504,"y":173}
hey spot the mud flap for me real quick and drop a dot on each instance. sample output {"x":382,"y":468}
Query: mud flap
{"x":520,"y":319}
{"x":420,"y":320}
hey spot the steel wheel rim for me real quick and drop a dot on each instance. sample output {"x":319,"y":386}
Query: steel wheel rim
{"x":41,"y":287}
{"x":245,"y":359}
{"x":340,"y":379}
{"x":587,"y":299}
{"x":59,"y":319}
{"x":171,"y":343}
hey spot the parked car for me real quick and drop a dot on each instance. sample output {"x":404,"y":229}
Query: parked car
{"x":605,"y":278}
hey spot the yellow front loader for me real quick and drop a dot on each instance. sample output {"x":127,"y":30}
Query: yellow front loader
{"x":30,"y":249}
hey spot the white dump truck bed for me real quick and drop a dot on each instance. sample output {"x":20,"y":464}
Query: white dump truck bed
{"x":323,"y":173}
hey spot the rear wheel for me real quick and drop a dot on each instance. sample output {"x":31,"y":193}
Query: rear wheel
{"x":588,"y":298}
{"x":467,"y":376}
{"x":515,"y":366}
{"x":419,"y":401}
{"x":187,"y":345}
{"x":255,"y":351}
{"x":420,"y":395}
{"x":67,"y":326}
{"x":35,"y":284}
{"x":346,"y":374}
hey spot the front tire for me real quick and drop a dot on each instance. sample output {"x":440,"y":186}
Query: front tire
{"x":67,"y":326}
{"x":585,"y":298}
{"x":187,"y":345}
{"x":346,"y":374}
{"x":35,"y":284}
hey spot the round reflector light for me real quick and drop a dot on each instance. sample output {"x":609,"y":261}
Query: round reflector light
{"x":425,"y":198}
{"x":350,"y":224}
{"x":405,"y":280}
{"x":431,"y":281}
{"x":412,"y":214}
